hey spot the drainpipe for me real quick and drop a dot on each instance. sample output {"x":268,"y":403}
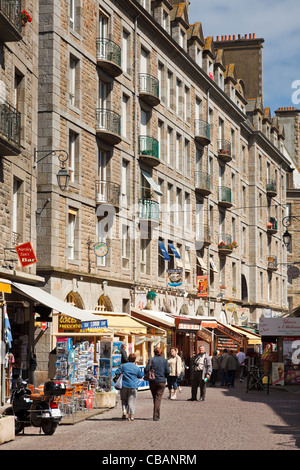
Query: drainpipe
{"x":208,"y":212}
{"x":135,"y":137}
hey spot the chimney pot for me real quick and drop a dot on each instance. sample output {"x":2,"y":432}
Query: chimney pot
{"x":233,"y":37}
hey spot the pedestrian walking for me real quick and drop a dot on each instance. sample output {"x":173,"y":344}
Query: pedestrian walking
{"x":231,"y":366}
{"x":224,"y":379}
{"x":158,"y":384}
{"x":131,"y":373}
{"x":202,"y":370}
{"x":242,"y":361}
{"x":175,"y":371}
{"x":216,"y":365}
{"x":124,"y":357}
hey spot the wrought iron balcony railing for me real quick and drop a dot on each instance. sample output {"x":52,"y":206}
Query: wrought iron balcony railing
{"x":107,"y":192}
{"x":10,"y":20}
{"x":10,"y":124}
{"x":202,"y":132}
{"x":148,"y":210}
{"x":149,"y":149}
{"x":203,"y":182}
{"x":108,"y":124}
{"x":109,"y":54}
{"x":225,"y":195}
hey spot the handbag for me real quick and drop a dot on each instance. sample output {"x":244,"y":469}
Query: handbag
{"x":150,"y":375}
{"x":119,"y":382}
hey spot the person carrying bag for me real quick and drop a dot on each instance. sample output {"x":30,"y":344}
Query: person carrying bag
{"x":158,"y":383}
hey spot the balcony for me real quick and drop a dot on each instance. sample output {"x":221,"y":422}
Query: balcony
{"x":108,"y":55}
{"x":272,"y":263}
{"x":148,"y":150}
{"x":108,"y":126}
{"x":107,"y":192}
{"x":148,"y":211}
{"x":272,"y":226}
{"x":224,"y":197}
{"x":271,"y":188}
{"x":226,"y":245}
{"x":202,"y":183}
{"x":10,"y":130}
{"x":149,"y":89}
{"x":10,"y":21}
{"x":224,"y":150}
{"x":202,"y":132}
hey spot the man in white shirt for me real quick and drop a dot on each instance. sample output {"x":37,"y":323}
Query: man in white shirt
{"x":241,"y":357}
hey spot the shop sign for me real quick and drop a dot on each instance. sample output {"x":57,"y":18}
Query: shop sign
{"x":202,"y":286}
{"x":175,"y":277}
{"x":5,"y":286}
{"x":230,"y":332}
{"x":93,"y":326}
{"x":230,"y":307}
{"x":279,"y":326}
{"x":293,"y":272}
{"x":188,"y":326}
{"x":101,"y":249}
{"x":26,"y":254}
{"x":69,"y":323}
{"x":277,"y":373}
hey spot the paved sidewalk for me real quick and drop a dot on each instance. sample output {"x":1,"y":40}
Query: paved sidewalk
{"x":229,"y":419}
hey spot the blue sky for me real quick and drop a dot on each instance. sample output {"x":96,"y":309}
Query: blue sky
{"x":278,"y":22}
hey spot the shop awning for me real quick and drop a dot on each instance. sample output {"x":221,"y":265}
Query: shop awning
{"x":124,"y":323}
{"x":163,"y":250}
{"x":251,"y":337}
{"x":175,"y":252}
{"x":154,"y":317}
{"x":43,"y":297}
{"x":152,"y":183}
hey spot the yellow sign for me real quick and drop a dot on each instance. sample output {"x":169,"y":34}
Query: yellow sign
{"x":5,"y":286}
{"x":231,"y":307}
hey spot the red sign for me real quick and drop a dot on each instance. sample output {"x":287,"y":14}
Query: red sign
{"x":202,"y":286}
{"x":26,"y":254}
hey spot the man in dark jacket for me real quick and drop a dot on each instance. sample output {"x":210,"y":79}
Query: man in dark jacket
{"x":124,"y":357}
{"x":202,"y":370}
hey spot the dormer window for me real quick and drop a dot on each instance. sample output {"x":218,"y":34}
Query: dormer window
{"x":221,"y":80}
{"x":199,"y":57}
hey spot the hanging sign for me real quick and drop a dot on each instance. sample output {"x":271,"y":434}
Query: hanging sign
{"x":101,"y":249}
{"x":5,"y":286}
{"x":230,"y":307}
{"x":202,"y":286}
{"x":26,"y":254}
{"x":175,"y":277}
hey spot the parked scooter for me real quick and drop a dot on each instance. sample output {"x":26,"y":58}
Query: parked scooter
{"x":43,"y":412}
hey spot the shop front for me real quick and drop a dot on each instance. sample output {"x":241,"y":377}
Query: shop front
{"x":281,"y":349}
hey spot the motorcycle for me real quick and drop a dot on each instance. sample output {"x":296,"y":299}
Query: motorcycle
{"x":43,"y":412}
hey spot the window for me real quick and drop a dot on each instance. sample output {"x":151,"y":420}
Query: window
{"x":125,"y":184}
{"x":160,"y":77}
{"x":169,"y":145}
{"x":169,"y":89}
{"x":72,"y":14}
{"x":178,"y":96}
{"x":17,"y":211}
{"x":102,"y":261}
{"x":101,"y":176}
{"x":72,"y":219}
{"x":199,"y":57}
{"x":187,"y":264}
{"x":145,"y":256}
{"x":125,"y":247}
{"x":187,"y":211}
{"x":178,"y":153}
{"x":73,"y":155}
{"x":125,"y":51}
{"x":233,"y":282}
{"x":187,"y":159}
{"x":125,"y":124}
{"x":74,"y":81}
{"x":260,"y":167}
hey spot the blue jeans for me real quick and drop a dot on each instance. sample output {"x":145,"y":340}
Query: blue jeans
{"x":172,"y":382}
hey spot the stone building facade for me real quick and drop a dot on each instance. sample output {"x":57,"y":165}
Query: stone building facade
{"x":18,"y":138}
{"x":176,"y":170}
{"x":166,"y":149}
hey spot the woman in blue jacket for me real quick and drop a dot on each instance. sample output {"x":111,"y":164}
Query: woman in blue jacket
{"x":128,"y":393}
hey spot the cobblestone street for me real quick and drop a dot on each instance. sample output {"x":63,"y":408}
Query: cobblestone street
{"x":229,"y":419}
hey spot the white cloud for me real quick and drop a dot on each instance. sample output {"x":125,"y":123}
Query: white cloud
{"x":277,"y":21}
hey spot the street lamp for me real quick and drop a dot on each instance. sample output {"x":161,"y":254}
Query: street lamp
{"x":287,"y":238}
{"x":63,"y":174}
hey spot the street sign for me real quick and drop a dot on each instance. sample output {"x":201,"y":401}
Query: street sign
{"x":293,"y":272}
{"x":26,"y":254}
